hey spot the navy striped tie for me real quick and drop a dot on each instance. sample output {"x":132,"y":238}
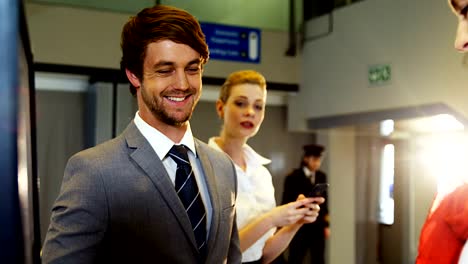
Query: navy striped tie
{"x":187,"y":189}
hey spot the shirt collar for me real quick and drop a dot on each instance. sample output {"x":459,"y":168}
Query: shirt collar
{"x":160,"y":142}
{"x":307,"y":172}
{"x":252,"y":157}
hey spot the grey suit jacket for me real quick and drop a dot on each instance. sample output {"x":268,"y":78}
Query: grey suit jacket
{"x":117,"y":204}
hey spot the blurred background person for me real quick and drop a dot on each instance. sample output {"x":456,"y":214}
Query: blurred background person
{"x":445,"y":231}
{"x":310,"y":238}
{"x":241,"y":106}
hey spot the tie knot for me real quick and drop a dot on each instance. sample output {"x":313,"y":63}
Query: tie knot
{"x":179,"y":154}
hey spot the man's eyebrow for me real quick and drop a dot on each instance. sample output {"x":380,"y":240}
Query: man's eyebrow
{"x":170,"y":63}
{"x":194,"y":61}
{"x":162,"y":63}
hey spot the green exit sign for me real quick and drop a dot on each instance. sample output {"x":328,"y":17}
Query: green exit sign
{"x":379,"y":74}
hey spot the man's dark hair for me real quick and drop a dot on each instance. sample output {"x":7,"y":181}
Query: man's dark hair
{"x":154,"y":24}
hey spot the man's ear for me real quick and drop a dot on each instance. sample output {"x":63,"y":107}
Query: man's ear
{"x":220,"y":108}
{"x":132,"y":78}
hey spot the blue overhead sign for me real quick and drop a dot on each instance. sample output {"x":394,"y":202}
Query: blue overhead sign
{"x":232,"y":43}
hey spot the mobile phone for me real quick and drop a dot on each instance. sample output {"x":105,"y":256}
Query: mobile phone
{"x":319,"y":190}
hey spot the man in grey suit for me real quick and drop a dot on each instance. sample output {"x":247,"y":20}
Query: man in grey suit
{"x":118,"y":202}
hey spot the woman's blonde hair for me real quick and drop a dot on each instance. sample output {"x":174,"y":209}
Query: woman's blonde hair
{"x":240,"y":77}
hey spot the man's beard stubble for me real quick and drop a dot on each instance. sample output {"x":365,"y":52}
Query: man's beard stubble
{"x":159,"y":112}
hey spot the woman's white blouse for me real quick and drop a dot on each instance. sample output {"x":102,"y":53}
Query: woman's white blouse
{"x":255,"y":196}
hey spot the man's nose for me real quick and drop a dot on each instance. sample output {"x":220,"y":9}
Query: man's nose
{"x":181,"y":80}
{"x":461,"y":40}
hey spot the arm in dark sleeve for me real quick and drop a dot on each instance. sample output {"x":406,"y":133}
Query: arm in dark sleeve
{"x":324,"y":207}
{"x":289,"y":191}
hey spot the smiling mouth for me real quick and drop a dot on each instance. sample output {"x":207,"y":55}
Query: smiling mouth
{"x":176,"y":99}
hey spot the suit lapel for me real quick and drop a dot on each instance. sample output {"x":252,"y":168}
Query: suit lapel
{"x":144,"y":155}
{"x":212,"y":190}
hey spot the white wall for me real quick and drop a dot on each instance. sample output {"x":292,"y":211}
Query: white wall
{"x":424,"y":189}
{"x":414,"y":37}
{"x":84,"y":37}
{"x":340,"y":165}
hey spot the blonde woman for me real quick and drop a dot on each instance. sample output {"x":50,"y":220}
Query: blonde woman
{"x":241,"y":106}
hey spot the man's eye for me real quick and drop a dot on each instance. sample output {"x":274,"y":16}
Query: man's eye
{"x":193,"y":69}
{"x":164,"y":71}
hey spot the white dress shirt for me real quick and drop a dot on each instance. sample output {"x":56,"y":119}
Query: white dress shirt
{"x":309,"y":174}
{"x":162,"y":145}
{"x":255,"y":196}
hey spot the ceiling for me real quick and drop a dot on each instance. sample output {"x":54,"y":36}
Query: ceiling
{"x":272,"y":15}
{"x":264,"y":14}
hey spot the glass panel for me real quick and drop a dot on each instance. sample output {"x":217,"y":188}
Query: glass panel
{"x":386,"y":204}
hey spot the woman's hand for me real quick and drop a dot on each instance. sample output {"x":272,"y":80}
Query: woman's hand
{"x":314,"y":208}
{"x":303,"y":209}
